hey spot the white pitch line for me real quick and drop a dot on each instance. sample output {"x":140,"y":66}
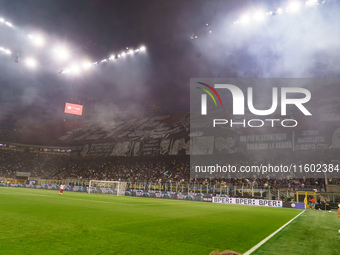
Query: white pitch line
{"x":271,"y":235}
{"x":87,"y":200}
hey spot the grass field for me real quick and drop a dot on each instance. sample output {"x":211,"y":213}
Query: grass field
{"x":43,"y":222}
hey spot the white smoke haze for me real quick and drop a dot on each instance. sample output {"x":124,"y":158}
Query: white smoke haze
{"x":287,"y":45}
{"x":306,"y":44}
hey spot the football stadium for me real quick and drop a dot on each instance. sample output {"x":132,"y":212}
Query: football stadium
{"x":170,"y":127}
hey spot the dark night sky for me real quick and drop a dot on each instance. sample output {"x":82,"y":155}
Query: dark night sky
{"x":97,"y":28}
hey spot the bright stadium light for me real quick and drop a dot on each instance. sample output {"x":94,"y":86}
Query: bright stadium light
{"x":142,"y":48}
{"x":259,"y":16}
{"x":294,"y":7}
{"x":62,"y":54}
{"x":37,"y":40}
{"x":75,"y":69}
{"x":67,"y":70}
{"x":279,"y":10}
{"x":31,"y":62}
{"x":5,"y":51}
{"x":123,"y":54}
{"x":112,"y":57}
{"x":311,"y":2}
{"x":2,"y":20}
{"x":245,"y":19}
{"x":86,"y":65}
{"x":9,"y":24}
{"x":130,"y":52}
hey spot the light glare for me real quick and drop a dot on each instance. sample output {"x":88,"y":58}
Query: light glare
{"x":75,"y":69}
{"x":38,"y":40}
{"x":245,"y":19}
{"x":86,"y":65}
{"x":31,"y":62}
{"x":311,"y":2}
{"x":294,"y":6}
{"x":259,"y":16}
{"x":62,"y":54}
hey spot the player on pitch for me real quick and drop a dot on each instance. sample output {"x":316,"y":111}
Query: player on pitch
{"x":62,"y":187}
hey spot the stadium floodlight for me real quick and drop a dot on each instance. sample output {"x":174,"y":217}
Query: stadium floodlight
{"x":9,"y":24}
{"x":143,"y":49}
{"x":311,"y":2}
{"x":279,"y":10}
{"x":123,"y":54}
{"x":5,"y":51}
{"x":137,"y":50}
{"x":37,"y":40}
{"x":104,"y":60}
{"x":294,"y":7}
{"x":130,"y":52}
{"x":86,"y":65}
{"x":2,"y":20}
{"x":75,"y":69}
{"x":259,"y":16}
{"x":31,"y":62}
{"x":62,"y":54}
{"x":245,"y":19}
{"x":112,"y":57}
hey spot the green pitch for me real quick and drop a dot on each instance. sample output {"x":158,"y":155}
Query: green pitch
{"x":43,"y":222}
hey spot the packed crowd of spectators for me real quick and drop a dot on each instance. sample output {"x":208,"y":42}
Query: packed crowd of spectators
{"x":132,"y":169}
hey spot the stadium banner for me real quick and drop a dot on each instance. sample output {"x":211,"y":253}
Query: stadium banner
{"x":294,"y":205}
{"x":202,"y":145}
{"x":320,"y":138}
{"x":169,"y":195}
{"x":100,"y":149}
{"x":151,"y":147}
{"x":207,"y":198}
{"x":121,"y":149}
{"x":76,"y":109}
{"x":246,"y":201}
{"x":268,"y":141}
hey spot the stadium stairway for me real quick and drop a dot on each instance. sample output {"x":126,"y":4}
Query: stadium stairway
{"x":333,"y":188}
